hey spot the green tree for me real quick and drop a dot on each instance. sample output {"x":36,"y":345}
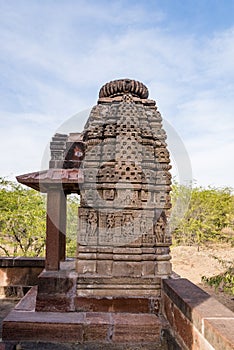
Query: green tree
{"x":22,"y":220}
{"x":208,"y":215}
{"x":72,"y":225}
{"x":210,"y":211}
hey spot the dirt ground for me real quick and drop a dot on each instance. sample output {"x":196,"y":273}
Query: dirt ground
{"x":192,"y":264}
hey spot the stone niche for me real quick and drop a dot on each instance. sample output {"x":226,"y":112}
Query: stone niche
{"x":123,"y":237}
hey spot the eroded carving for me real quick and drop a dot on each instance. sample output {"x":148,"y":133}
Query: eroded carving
{"x":92,"y":224}
{"x":127,"y":225}
{"x":125,"y":198}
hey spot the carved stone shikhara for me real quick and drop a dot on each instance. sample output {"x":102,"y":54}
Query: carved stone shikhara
{"x":125,"y":195}
{"x":124,"y":187}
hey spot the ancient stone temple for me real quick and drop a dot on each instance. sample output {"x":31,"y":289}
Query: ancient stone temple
{"x":123,"y":238}
{"x":119,"y":165}
{"x":118,"y":292}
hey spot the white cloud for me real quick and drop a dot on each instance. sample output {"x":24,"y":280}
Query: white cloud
{"x":53,"y":67}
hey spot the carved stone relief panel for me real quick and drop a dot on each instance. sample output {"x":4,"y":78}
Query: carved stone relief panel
{"x":126,"y":171}
{"x":90,"y":174}
{"x":162,"y":200}
{"x":149,"y":175}
{"x":57,"y":155}
{"x":110,"y":130}
{"x":107,"y":228}
{"x":127,"y":198}
{"x":163,"y":177}
{"x":145,"y":195}
{"x":108,"y":151}
{"x":148,"y":152}
{"x":94,"y":132}
{"x":92,"y":227}
{"x":90,"y":197}
{"x":162,"y":155}
{"x":109,"y":194}
{"x":127,"y":225}
{"x":82,"y":233}
{"x":145,"y":228}
{"x":93,"y":152}
{"x":160,"y":227}
{"x":106,"y":173}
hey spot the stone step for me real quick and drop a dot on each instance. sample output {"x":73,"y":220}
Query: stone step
{"x":82,"y":327}
{"x":89,"y":346}
{"x":91,"y":329}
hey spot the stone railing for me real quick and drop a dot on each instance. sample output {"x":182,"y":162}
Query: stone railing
{"x":197,"y":321}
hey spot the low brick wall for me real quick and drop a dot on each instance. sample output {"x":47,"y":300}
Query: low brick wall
{"x":197,"y":321}
{"x":17,"y":275}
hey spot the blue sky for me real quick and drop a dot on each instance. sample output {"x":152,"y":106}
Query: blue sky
{"x":55,"y":56}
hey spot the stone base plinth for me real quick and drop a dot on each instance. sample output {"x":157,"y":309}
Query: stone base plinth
{"x":134,"y":262}
{"x":103,"y":286}
{"x":118,"y":304}
{"x":121,"y":271}
{"x":56,"y":291}
{"x":99,"y":330}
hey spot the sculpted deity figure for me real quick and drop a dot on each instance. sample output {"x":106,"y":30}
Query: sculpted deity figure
{"x":143,"y":225}
{"x":110,"y":224}
{"x":92,"y":223}
{"x":128,"y":225}
{"x":160,"y":228}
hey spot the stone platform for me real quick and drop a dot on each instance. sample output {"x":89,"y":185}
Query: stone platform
{"x":91,"y":330}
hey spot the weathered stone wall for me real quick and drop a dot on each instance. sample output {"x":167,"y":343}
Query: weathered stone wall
{"x":17,"y":275}
{"x":197,"y":321}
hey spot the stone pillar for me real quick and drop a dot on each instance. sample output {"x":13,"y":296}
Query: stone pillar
{"x":55,"y":229}
{"x":63,"y":225}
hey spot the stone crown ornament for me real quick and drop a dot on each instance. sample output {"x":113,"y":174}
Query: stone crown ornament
{"x":124,"y":86}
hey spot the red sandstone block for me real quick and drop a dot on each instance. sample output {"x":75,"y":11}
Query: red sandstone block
{"x":220,"y":333}
{"x":126,"y":269}
{"x":199,"y":342}
{"x":194,"y":303}
{"x":210,"y":308}
{"x":183,"y":327}
{"x":96,"y":326}
{"x":44,"y":326}
{"x":197,"y":318}
{"x":97,"y":318}
{"x":27,"y":303}
{"x":92,"y":304}
{"x":56,"y":282}
{"x":168,"y":309}
{"x":136,"y":328}
{"x":26,"y":276}
{"x":136,"y":305}
{"x":95,"y":333}
{"x":86,"y":266}
{"x":178,"y":321}
{"x":148,"y":268}
{"x":118,"y":304}
{"x":25,"y":331}
{"x":184,"y":294}
{"x":57,"y":303}
{"x":104,"y":267}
